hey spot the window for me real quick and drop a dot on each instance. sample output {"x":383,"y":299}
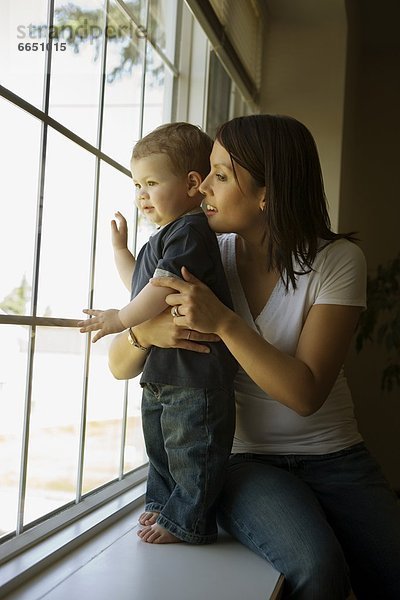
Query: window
{"x":81,"y":81}
{"x":219,"y":95}
{"x":68,"y":427}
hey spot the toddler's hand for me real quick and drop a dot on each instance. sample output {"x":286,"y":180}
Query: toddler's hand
{"x":104,"y":321}
{"x":119,"y":232}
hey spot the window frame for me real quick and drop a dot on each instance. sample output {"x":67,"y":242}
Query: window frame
{"x":23,"y":556}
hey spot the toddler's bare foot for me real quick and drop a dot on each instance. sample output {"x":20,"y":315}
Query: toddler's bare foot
{"x":148,"y":518}
{"x":155,"y":534}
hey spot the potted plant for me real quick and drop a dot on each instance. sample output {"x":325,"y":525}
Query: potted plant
{"x":380,"y":323}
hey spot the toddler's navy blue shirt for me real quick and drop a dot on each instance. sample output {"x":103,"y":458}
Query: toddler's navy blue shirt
{"x":188,"y":241}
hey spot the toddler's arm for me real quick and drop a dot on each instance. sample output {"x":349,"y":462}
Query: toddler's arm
{"x":144,"y":306}
{"x":123,"y":258}
{"x":147,"y":304}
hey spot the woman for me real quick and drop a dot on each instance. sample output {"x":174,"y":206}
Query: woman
{"x":301,"y":489}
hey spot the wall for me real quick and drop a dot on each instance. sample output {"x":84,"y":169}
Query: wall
{"x":304,"y":68}
{"x":335,"y":66}
{"x":370,"y":200}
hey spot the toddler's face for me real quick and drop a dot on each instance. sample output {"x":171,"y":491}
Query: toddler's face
{"x":160,"y":195}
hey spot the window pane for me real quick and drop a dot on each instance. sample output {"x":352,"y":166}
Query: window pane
{"x":156,"y":101}
{"x":67,"y":229}
{"x":55,"y":420}
{"x":219,"y":95}
{"x":104,"y":420}
{"x":144,"y":231}
{"x":13,"y":352}
{"x":21,"y":64}
{"x":135,"y":453}
{"x":19,"y":159}
{"x":106,"y":394}
{"x":137,"y":9}
{"x":162,"y":25}
{"x":76,"y":70}
{"x":121,"y":121}
{"x":116,"y":193}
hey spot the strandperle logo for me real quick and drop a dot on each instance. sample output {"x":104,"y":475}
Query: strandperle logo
{"x":84,"y":31}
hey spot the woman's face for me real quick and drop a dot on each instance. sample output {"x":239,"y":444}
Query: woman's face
{"x":231,"y":207}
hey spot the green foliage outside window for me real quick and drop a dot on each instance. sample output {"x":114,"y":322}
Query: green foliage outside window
{"x":16,"y":301}
{"x":76,"y":26}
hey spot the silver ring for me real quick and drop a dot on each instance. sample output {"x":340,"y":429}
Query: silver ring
{"x":175,"y":311}
{"x":189,"y":332}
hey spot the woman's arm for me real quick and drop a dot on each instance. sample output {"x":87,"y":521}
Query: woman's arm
{"x":124,"y":360}
{"x":304,"y":381}
{"x":301,"y":382}
{"x":127,"y":361}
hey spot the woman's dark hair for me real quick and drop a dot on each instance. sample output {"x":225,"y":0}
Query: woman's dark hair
{"x":280,"y":153}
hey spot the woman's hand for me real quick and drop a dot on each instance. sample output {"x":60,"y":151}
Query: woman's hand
{"x":161,"y":331}
{"x":126,"y":361}
{"x":197,"y":307}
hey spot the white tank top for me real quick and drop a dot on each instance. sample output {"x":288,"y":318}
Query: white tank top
{"x":264,"y":425}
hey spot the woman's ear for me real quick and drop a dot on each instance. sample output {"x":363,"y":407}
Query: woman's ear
{"x":262,"y":198}
{"x":194,"y":180}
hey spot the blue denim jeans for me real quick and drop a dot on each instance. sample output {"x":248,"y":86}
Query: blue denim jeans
{"x":328,"y":522}
{"x":188,"y":434}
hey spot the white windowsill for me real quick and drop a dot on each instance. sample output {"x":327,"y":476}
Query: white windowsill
{"x":34,"y":550}
{"x":115,"y":563}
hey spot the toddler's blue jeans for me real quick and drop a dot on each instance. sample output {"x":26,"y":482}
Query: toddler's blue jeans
{"x":188,"y":434}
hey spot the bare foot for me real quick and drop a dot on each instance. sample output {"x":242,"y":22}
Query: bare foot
{"x":155,"y":534}
{"x":148,"y":518}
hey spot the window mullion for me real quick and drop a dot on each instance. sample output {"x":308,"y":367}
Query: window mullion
{"x":143,"y":90}
{"x":49,"y":121}
{"x":35,"y":281}
{"x":25,"y":435}
{"x":123,"y":430}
